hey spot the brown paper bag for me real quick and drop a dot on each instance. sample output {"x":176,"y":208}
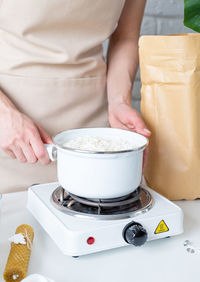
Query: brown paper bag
{"x":170,"y":105}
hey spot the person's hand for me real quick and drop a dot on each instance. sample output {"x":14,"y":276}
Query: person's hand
{"x":123,"y":116}
{"x":22,"y":138}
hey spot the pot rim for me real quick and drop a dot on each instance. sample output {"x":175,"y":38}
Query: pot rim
{"x":141,"y":148}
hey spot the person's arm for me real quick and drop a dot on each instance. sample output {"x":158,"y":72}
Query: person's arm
{"x":122,"y":67}
{"x":20,"y":137}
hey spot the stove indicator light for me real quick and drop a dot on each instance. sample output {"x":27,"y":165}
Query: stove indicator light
{"x":90,"y":240}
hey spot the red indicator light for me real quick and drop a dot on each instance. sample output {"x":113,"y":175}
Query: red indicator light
{"x":90,"y":240}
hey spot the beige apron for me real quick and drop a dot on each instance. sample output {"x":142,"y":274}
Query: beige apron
{"x":52,"y":68}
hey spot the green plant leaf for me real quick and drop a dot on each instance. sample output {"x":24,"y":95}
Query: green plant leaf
{"x":192,"y":14}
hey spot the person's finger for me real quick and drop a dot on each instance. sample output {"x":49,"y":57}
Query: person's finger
{"x":19,"y":153}
{"x":10,"y":153}
{"x":29,"y":154}
{"x":131,"y":126}
{"x":139,"y":125}
{"x":118,"y":124}
{"x":44,"y":135}
{"x":134,"y":121}
{"x":39,"y":149}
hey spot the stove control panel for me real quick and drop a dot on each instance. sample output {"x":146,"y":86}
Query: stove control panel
{"x":135,"y":234}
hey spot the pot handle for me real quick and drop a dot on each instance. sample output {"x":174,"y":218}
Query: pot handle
{"x":52,"y":151}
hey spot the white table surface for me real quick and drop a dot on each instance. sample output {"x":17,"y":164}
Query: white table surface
{"x":164,"y":260}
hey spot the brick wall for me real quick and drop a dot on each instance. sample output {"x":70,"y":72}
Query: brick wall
{"x":160,"y":17}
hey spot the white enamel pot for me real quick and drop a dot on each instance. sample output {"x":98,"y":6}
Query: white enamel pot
{"x":101,"y":175}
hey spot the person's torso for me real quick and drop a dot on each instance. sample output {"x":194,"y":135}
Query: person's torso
{"x":51,"y":38}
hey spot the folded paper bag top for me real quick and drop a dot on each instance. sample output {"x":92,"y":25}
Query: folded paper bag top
{"x":170,"y":99}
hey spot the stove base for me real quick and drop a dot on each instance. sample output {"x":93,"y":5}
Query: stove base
{"x":76,"y":236}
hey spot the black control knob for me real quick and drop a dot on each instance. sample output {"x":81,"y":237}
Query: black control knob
{"x":135,"y":234}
